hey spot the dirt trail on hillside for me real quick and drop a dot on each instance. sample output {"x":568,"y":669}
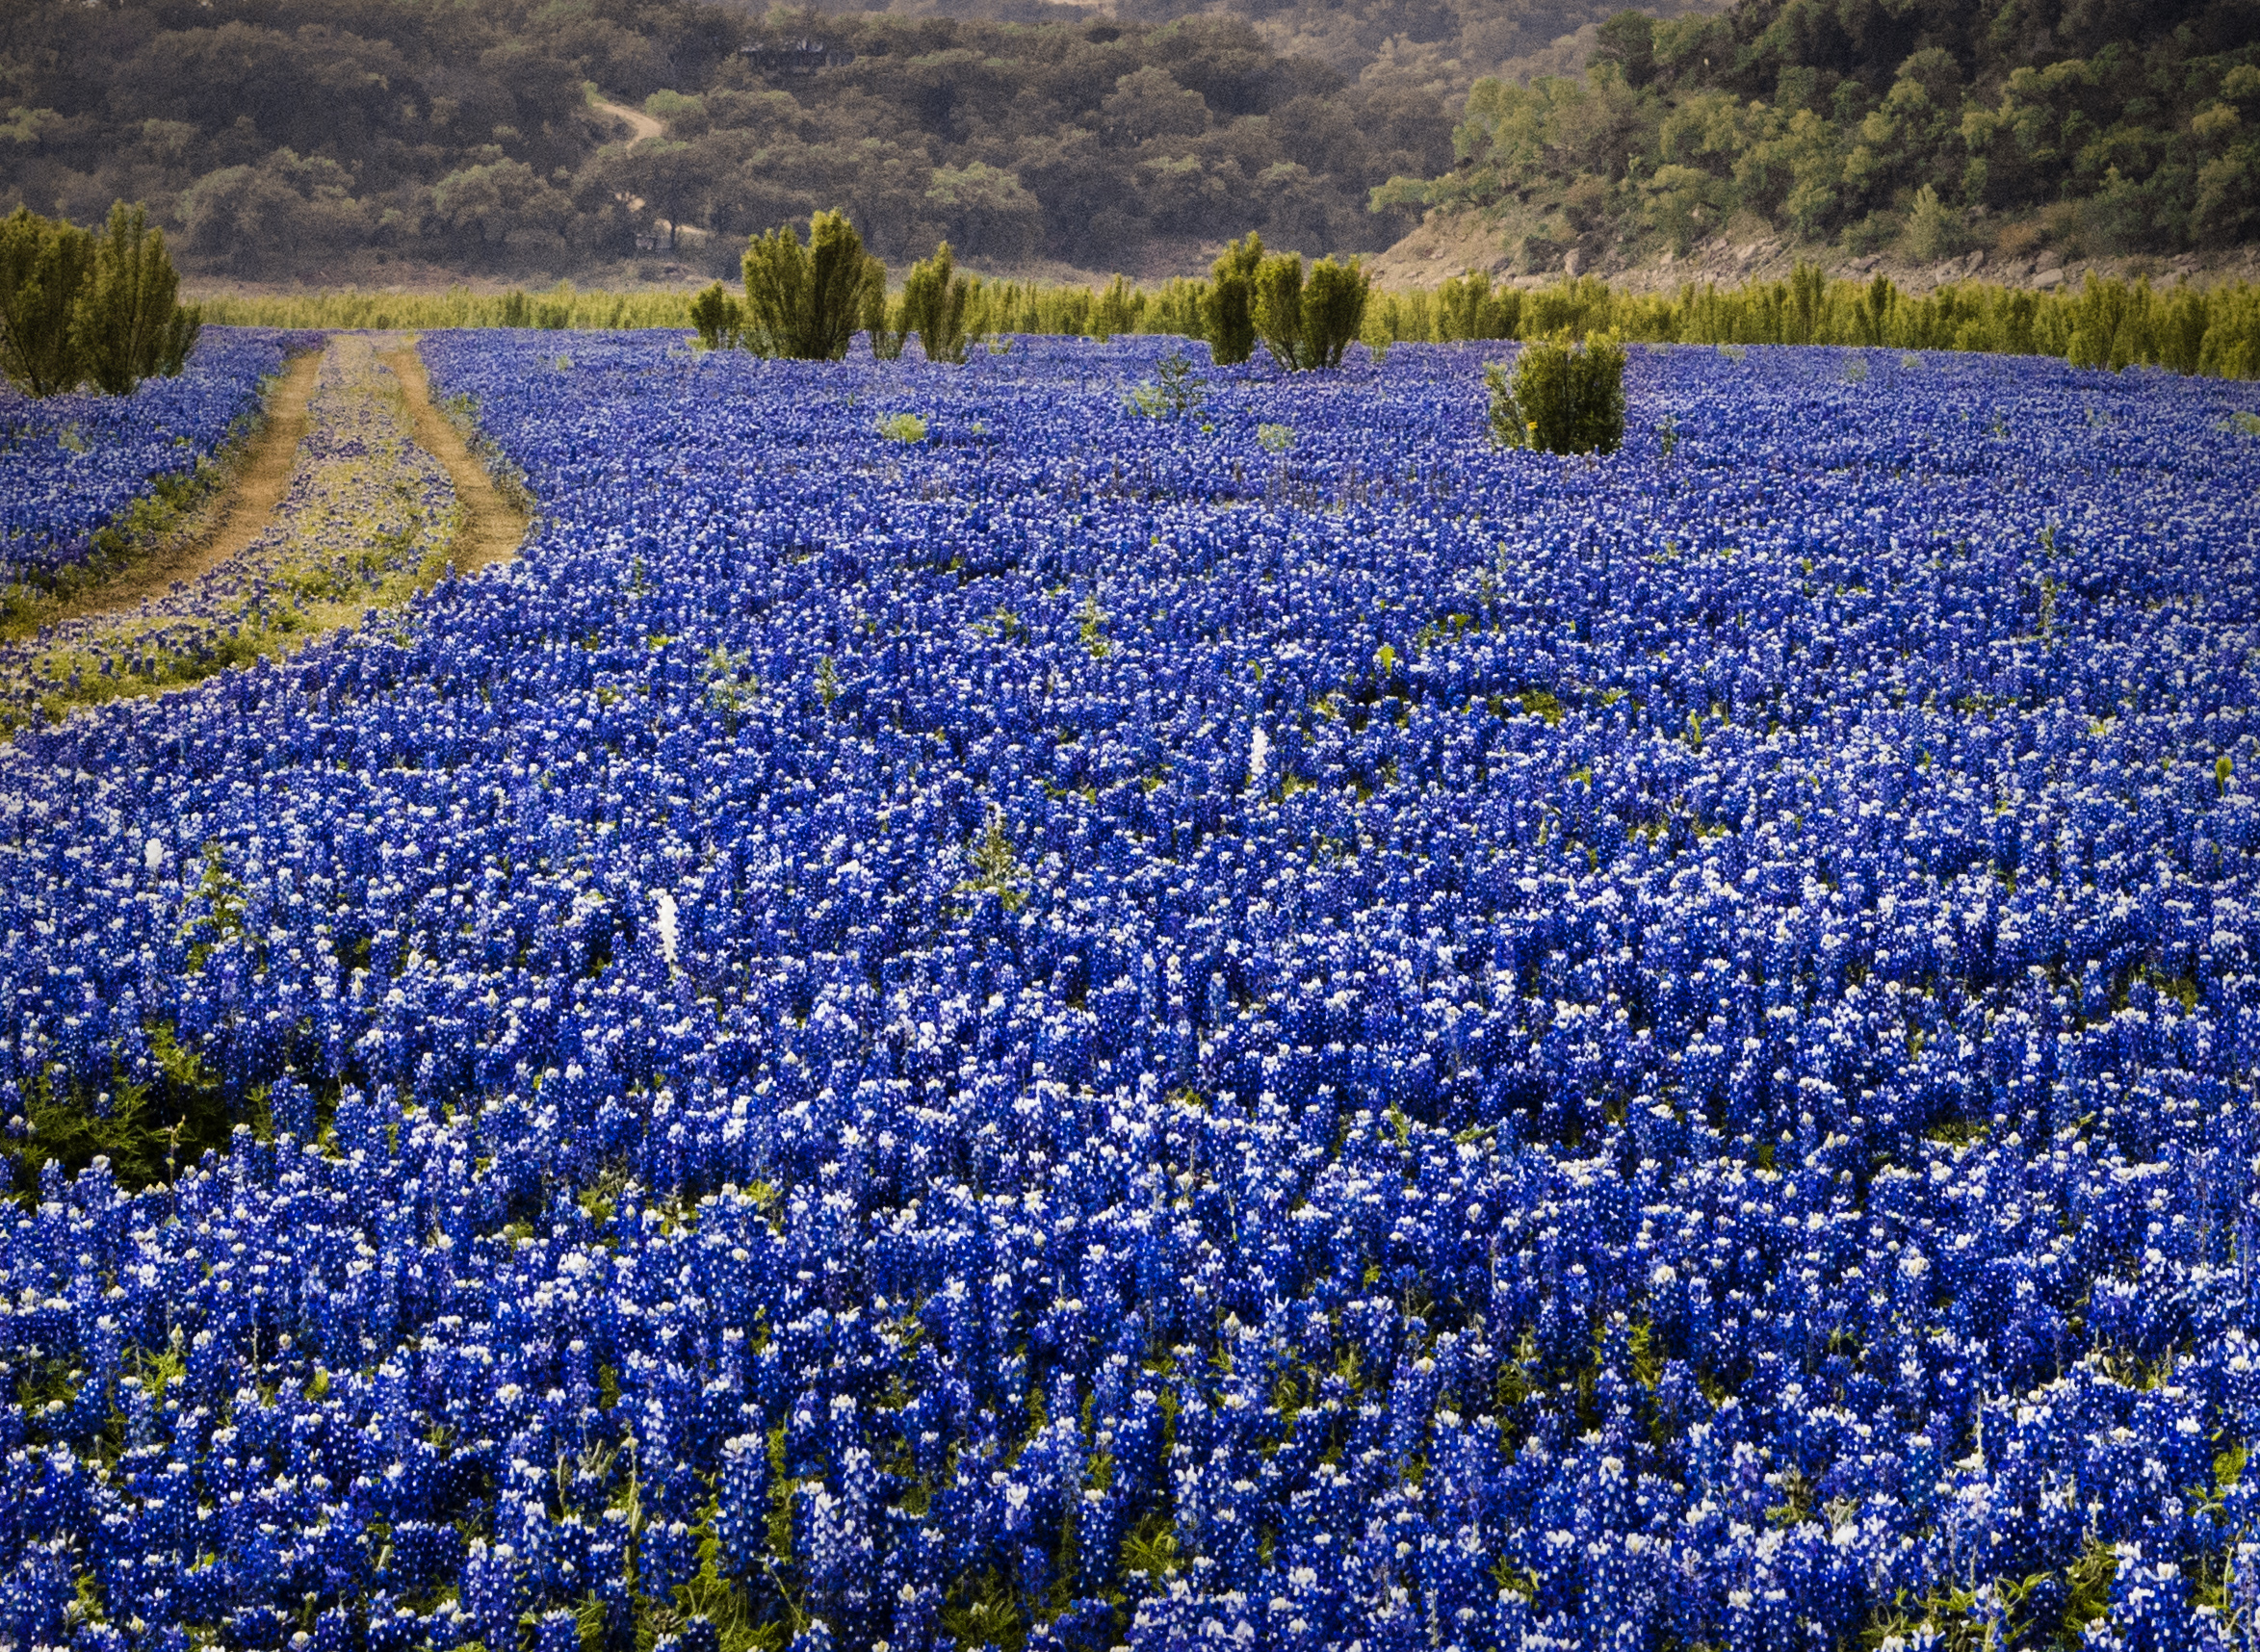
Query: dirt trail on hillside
{"x":493,"y":527}
{"x":235,"y":516}
{"x":642,"y":125}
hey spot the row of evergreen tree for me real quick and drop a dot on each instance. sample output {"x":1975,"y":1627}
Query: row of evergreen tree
{"x":808,"y":301}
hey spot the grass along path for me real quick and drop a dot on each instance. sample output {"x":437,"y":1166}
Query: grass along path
{"x":380,"y":497}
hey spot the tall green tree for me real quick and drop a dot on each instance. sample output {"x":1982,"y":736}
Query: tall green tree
{"x":933,"y":306}
{"x":1229,"y":312}
{"x":1309,"y":324}
{"x":807,"y":302}
{"x":128,"y":321}
{"x":1278,"y":307}
{"x":1334,"y":310}
{"x":44,"y":265}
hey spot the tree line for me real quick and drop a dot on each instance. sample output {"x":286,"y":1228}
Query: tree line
{"x":809,"y":301}
{"x":284,"y":138}
{"x":1929,"y":127}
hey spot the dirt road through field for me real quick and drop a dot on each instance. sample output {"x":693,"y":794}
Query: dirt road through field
{"x":358,"y":495}
{"x":236,"y":516}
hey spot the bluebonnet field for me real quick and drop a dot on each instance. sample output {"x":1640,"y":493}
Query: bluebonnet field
{"x":70,"y":464}
{"x":1092,"y":1029}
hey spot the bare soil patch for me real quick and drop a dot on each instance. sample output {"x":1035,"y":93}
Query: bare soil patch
{"x":493,"y":527}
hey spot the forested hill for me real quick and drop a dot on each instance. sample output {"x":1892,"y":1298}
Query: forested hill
{"x":298,"y":138}
{"x":337,"y":139}
{"x":1930,"y":128}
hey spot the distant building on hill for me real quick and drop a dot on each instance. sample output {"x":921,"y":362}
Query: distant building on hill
{"x":803,"y":56}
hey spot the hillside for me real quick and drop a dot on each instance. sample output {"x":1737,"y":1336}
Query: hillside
{"x":313,"y":138}
{"x":391,"y":141}
{"x":2034,"y":132}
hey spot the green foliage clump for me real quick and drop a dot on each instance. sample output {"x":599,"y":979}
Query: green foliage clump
{"x":997,"y":870}
{"x":1093,"y":626}
{"x":904,"y":428}
{"x":146,"y":1127}
{"x":1229,"y":312}
{"x":887,"y":339}
{"x":78,"y":308}
{"x":1307,"y":323}
{"x":934,"y":301}
{"x":716,"y":315}
{"x":1934,"y":229}
{"x":807,"y":303}
{"x":129,"y":321}
{"x":1173,"y":392}
{"x":1563,"y":397}
{"x":44,"y":265}
{"x":1468,"y":307}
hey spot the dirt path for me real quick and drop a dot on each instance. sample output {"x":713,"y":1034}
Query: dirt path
{"x":237,"y":514}
{"x":640,"y":124}
{"x":491,"y":531}
{"x":493,"y":527}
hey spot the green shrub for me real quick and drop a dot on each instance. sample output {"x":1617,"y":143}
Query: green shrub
{"x":1934,"y":229}
{"x":44,"y":265}
{"x":77,"y":307}
{"x":885,"y":340}
{"x":905,"y":427}
{"x":717,"y":317}
{"x":1230,"y":310}
{"x":1805,"y":302}
{"x":933,"y":306}
{"x":1469,"y":307}
{"x":1562,"y":396}
{"x":1173,"y":392}
{"x":1308,"y":323}
{"x":807,"y":303}
{"x":128,"y":321}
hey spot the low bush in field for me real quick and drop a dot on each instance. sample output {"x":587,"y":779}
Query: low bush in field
{"x":89,"y":309}
{"x":1563,"y":397}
